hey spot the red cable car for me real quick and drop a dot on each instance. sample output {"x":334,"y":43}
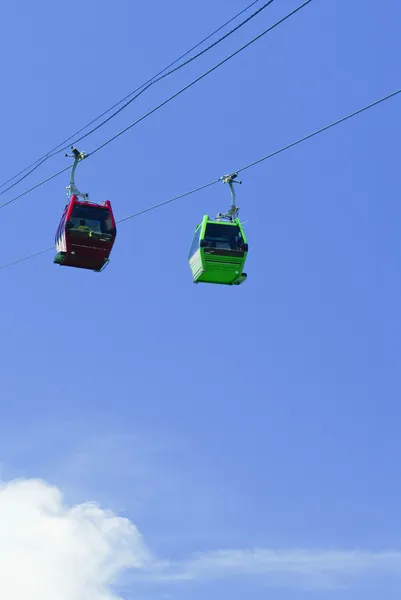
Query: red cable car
{"x":85,"y":235}
{"x":87,"y":231}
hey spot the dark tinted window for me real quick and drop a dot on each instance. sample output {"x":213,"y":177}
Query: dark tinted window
{"x":195,"y":242}
{"x":97,"y":219}
{"x":225,"y":237}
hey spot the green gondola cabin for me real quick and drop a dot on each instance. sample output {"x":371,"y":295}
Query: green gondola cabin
{"x":218,"y":252}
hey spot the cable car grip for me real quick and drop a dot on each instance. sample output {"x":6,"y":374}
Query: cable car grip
{"x":234,"y":210}
{"x":72,"y":188}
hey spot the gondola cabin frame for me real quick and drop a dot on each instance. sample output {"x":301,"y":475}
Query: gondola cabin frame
{"x":81,"y":245}
{"x":220,"y":259}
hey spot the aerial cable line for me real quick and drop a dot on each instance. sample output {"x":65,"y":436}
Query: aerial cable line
{"x":145,"y":116}
{"x":210,"y":183}
{"x":267,"y":157}
{"x":208,"y":72}
{"x":148,"y":85}
{"x":310,"y":135}
{"x":133,"y":96}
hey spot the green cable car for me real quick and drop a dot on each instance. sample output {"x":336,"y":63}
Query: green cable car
{"x":219,"y":247}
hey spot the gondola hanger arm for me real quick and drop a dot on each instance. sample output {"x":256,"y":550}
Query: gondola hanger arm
{"x":234,"y":210}
{"x":72,"y":188}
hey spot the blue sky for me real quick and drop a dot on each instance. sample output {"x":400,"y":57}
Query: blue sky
{"x":262,"y":418}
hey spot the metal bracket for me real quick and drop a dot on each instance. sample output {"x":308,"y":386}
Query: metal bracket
{"x":234,"y":210}
{"x":72,"y":188}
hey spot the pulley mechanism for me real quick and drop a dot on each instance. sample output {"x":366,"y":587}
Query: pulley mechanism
{"x":232,"y":214}
{"x":72,"y":188}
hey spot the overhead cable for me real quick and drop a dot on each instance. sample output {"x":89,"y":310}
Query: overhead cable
{"x":206,"y":185}
{"x":208,"y":72}
{"x":158,"y":107}
{"x":133,"y":96}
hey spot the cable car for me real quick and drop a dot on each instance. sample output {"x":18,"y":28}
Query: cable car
{"x":218,"y":252}
{"x":85,"y":235}
{"x":219,"y":247}
{"x":87,"y":230}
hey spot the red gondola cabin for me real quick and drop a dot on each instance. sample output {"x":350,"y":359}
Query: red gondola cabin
{"x":85,"y":235}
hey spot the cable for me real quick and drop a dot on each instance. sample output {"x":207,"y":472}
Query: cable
{"x":14,"y":262}
{"x":256,"y":162}
{"x":208,"y":72}
{"x":307,"y":137}
{"x":147,"y":86}
{"x":279,"y":151}
{"x":138,"y":92}
{"x":35,"y":186}
{"x":145,"y":210}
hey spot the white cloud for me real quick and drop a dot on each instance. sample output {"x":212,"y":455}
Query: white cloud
{"x":301,"y":569}
{"x":304,"y":568}
{"x":50,"y":551}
